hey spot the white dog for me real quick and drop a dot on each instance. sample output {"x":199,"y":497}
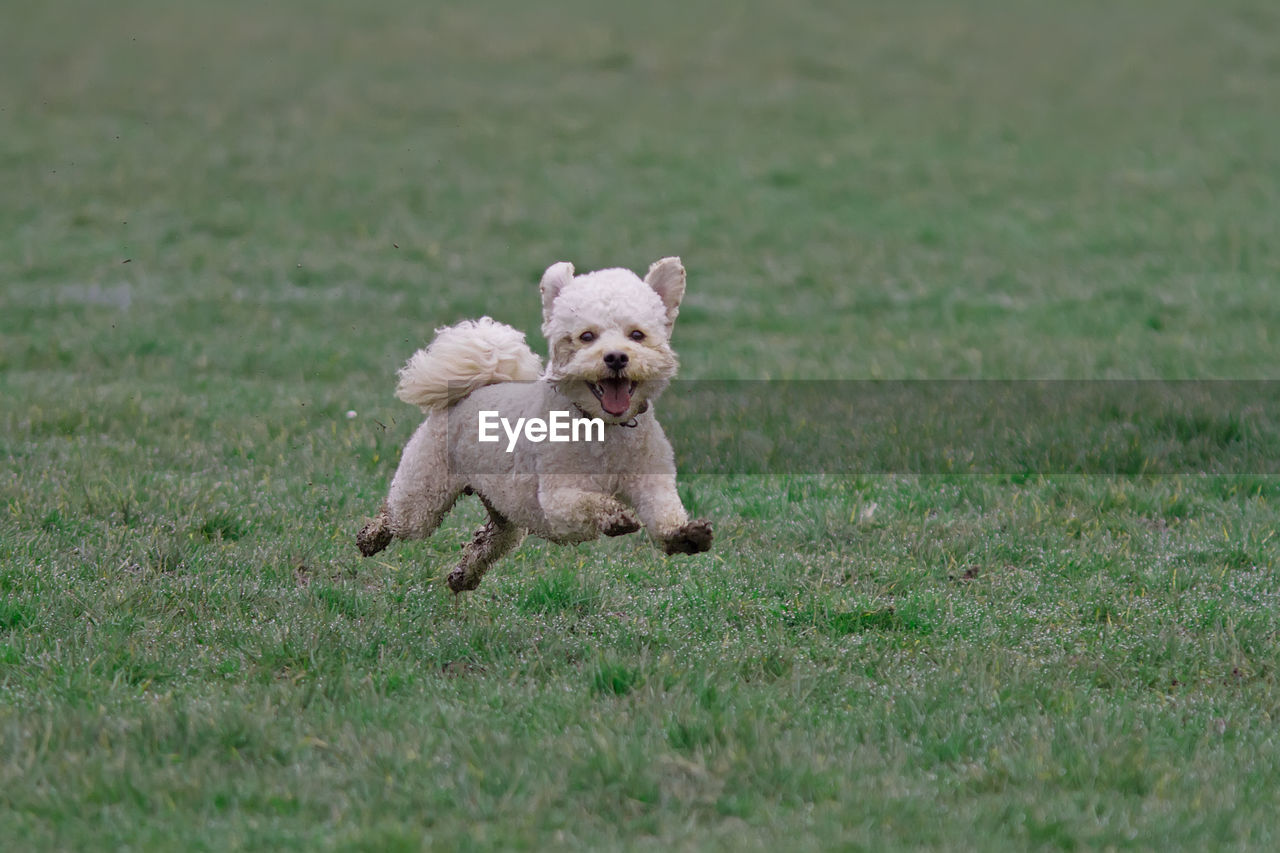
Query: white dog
{"x":609,"y":334}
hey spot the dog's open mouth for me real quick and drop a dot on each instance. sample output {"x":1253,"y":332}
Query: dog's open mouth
{"x":614,"y":394}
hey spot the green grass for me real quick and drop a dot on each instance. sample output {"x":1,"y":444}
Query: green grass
{"x":226,"y":225}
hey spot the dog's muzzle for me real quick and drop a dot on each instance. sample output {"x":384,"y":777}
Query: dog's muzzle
{"x":614,"y":392}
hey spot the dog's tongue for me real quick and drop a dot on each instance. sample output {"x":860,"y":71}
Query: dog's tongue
{"x":617,"y":396}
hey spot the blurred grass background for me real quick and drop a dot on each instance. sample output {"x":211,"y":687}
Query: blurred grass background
{"x":982,"y":189}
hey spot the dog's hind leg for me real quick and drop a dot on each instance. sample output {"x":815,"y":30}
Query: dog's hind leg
{"x":496,"y":538}
{"x":375,"y":535}
{"x":416,"y":519}
{"x":422,"y":492}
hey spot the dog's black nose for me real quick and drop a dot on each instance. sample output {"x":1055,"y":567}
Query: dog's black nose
{"x":615,"y":360}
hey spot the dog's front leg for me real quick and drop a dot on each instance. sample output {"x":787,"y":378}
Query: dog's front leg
{"x":577,"y":515}
{"x":658,"y":504}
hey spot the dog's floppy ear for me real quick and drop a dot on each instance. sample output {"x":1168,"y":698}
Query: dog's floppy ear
{"x":554,"y":281}
{"x":666,"y":277}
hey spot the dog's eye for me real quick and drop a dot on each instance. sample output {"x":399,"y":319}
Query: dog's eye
{"x":587,"y":337}
{"x":637,"y":335}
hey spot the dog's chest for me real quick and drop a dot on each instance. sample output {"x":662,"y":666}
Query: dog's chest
{"x":616,"y":452}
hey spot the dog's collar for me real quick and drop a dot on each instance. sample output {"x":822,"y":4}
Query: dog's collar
{"x":631,"y":424}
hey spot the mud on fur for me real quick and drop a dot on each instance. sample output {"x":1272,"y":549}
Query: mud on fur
{"x":609,"y":336}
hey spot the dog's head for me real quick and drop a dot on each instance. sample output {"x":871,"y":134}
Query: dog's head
{"x":609,"y":334}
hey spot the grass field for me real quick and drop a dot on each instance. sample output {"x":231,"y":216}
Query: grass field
{"x":225,"y":226}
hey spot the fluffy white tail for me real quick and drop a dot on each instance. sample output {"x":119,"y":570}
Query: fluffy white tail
{"x":461,"y":359}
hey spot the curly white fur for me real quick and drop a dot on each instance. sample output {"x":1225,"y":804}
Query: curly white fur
{"x":609,"y":333}
{"x":462,"y":358}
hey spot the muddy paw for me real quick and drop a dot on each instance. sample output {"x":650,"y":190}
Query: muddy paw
{"x":620,"y":524}
{"x":373,"y":537}
{"x":692,"y":538}
{"x":459,"y":582}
